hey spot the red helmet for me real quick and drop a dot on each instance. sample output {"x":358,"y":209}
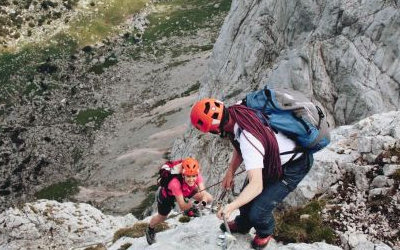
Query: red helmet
{"x":190,"y":167}
{"x":206,"y":115}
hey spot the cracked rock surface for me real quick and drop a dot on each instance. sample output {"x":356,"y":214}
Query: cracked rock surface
{"x":49,"y":224}
{"x":341,"y":54}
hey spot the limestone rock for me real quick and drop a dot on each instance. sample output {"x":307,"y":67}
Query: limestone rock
{"x":390,"y":169}
{"x":381,"y":181}
{"x":45,"y":224}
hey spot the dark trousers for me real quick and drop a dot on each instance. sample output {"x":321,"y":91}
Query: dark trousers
{"x":258,"y":212}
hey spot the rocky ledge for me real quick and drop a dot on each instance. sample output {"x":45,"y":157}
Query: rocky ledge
{"x":359,"y":175}
{"x":49,"y":224}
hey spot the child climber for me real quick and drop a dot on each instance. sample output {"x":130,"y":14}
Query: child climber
{"x":189,"y":186}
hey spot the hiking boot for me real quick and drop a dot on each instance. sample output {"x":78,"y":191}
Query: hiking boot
{"x":150,"y":235}
{"x":233,"y":227}
{"x":260,"y":242}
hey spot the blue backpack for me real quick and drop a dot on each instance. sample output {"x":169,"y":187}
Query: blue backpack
{"x":291,"y":113}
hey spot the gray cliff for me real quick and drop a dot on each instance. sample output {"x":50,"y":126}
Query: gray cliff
{"x":344,"y":55}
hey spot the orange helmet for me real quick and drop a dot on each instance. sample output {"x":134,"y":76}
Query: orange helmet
{"x":190,"y":167}
{"x":206,"y":115}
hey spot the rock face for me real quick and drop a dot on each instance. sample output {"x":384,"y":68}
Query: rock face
{"x":49,"y":224}
{"x":343,"y":54}
{"x":349,"y":153}
{"x":359,"y":183}
{"x":364,"y":198}
{"x":355,"y":174}
{"x":52,"y":225}
{"x":202,"y":233}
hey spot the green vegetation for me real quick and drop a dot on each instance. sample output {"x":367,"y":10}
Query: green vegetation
{"x":152,"y":188}
{"x":175,"y":64}
{"x":138,"y":211}
{"x":166,"y":156}
{"x":59,"y":191}
{"x":77,"y":154}
{"x":234,"y":93}
{"x":125,"y":246}
{"x":179,"y":16}
{"x":99,"y":68}
{"x":96,"y":247}
{"x":191,"y":89}
{"x":159,"y":103}
{"x":187,"y":92}
{"x":396,"y":175}
{"x":33,"y":89}
{"x":161,"y":119}
{"x":96,"y":115}
{"x":177,"y":51}
{"x":30,"y":62}
{"x":392,"y":151}
{"x":138,"y":230}
{"x":19,"y":69}
{"x":184,"y":219}
{"x":91,"y":28}
{"x":376,"y":203}
{"x":290,"y":228}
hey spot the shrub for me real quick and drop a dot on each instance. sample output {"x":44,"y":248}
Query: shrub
{"x":96,"y":115}
{"x":138,"y":230}
{"x":125,"y":246}
{"x":183,"y":16}
{"x":184,"y":219}
{"x":289,"y":227}
{"x":99,"y":68}
{"x":96,"y":247}
{"x":138,"y":211}
{"x":396,"y":175}
{"x":59,"y":191}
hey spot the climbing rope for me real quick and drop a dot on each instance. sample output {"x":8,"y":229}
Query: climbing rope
{"x":243,"y":170}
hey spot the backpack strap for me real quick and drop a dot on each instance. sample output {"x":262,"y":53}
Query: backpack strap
{"x":321,"y":116}
{"x":295,"y":152}
{"x":268,"y":94}
{"x":234,"y":143}
{"x":254,"y":146}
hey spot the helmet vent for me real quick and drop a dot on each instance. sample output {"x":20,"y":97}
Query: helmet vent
{"x":217,"y":104}
{"x":207,"y":108}
{"x":215,"y":116}
{"x":200,"y":123}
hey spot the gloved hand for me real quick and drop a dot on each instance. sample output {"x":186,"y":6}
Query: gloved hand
{"x":200,"y":205}
{"x":192,"y":212}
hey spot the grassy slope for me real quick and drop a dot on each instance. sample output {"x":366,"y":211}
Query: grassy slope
{"x":18,"y":69}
